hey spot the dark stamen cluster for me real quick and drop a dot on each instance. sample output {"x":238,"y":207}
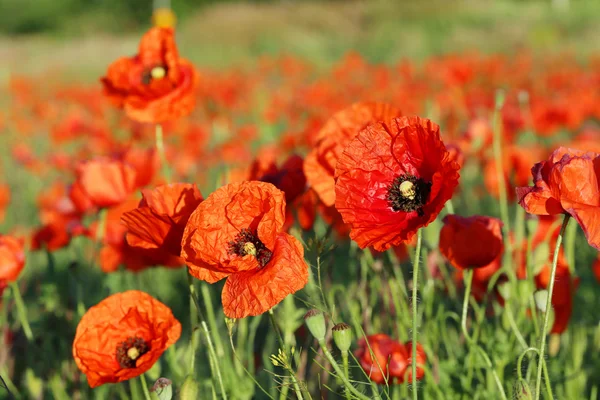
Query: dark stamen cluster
{"x":399,"y":202}
{"x":240,"y":246}
{"x":123,"y":356}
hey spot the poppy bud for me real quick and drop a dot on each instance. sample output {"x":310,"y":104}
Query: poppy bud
{"x":521,"y":390}
{"x":315,"y":320}
{"x":541,"y":299}
{"x":342,"y":336}
{"x":189,"y":389}
{"x":162,"y":389}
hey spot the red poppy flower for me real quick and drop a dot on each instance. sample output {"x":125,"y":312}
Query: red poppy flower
{"x":421,"y":358}
{"x":105,"y":182}
{"x":393,"y":180}
{"x":337,"y":132}
{"x":155,"y":85}
{"x":12,"y":258}
{"x":4,"y":200}
{"x":387,"y":359}
{"x":562,"y":297}
{"x":236,"y":233}
{"x":161,"y":216}
{"x":458,"y":235}
{"x":123,"y":336}
{"x":568,"y":182}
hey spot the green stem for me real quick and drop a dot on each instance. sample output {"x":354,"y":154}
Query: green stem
{"x":21,"y":311}
{"x":346,"y":373}
{"x":277,"y":331}
{"x":248,"y":373}
{"x":145,"y":387}
{"x":415,"y":394}
{"x":514,"y":327}
{"x":212,"y":321}
{"x":213,"y":355}
{"x":470,"y":340}
{"x":193,"y":322}
{"x":339,"y":371}
{"x":570,"y":236}
{"x":160,"y":148}
{"x":538,"y":382}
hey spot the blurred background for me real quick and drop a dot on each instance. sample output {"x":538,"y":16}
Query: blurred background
{"x":83,"y":36}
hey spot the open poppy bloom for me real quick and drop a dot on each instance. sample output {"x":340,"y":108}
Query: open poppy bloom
{"x":567,"y":183}
{"x":12,"y":258}
{"x":458,"y":235}
{"x":160,"y":218}
{"x":123,"y":336}
{"x":155,"y":85}
{"x":337,"y":132}
{"x":236,"y":232}
{"x":104,"y":182}
{"x":393,"y":180}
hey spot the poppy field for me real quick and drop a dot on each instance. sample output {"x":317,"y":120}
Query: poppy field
{"x":287,"y":229}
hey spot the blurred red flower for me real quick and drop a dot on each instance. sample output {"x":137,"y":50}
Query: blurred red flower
{"x":12,"y":258}
{"x":155,"y":85}
{"x":123,"y":336}
{"x":567,"y":183}
{"x":104,"y":182}
{"x":458,"y":235}
{"x":393,"y":180}
{"x":236,"y":233}
{"x":160,"y":218}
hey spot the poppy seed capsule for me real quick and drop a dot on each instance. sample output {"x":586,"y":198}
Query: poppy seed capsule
{"x":342,"y":336}
{"x":189,"y":389}
{"x":521,"y":390}
{"x":315,"y":320}
{"x":407,"y":189}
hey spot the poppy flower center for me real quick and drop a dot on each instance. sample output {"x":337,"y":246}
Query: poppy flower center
{"x":247,"y":243}
{"x":408,"y":193}
{"x":130,"y":350}
{"x":155,"y":73}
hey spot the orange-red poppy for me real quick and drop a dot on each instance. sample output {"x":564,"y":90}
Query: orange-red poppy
{"x":458,"y":235}
{"x":236,"y":233}
{"x":155,"y":85}
{"x":123,"y":336}
{"x":393,"y":180}
{"x":337,"y":132}
{"x":160,"y":218}
{"x":105,"y":182}
{"x":568,"y":182}
{"x":12,"y":258}
{"x":4,"y":200}
{"x":565,"y":286}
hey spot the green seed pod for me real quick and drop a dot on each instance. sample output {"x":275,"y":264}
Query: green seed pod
{"x":162,"y":389}
{"x":189,"y":389}
{"x":521,"y":390}
{"x":342,"y":336}
{"x":315,"y":320}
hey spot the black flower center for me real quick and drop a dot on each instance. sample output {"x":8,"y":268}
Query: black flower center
{"x":157,"y":72}
{"x":129,"y":350}
{"x":248,"y":243}
{"x":408,"y":193}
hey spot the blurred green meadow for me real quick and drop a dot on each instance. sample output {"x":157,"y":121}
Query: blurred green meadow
{"x":75,"y":41}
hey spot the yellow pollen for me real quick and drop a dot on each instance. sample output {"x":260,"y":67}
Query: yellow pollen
{"x":249,"y":248}
{"x":133,"y":353}
{"x":158,"y":73}
{"x":407,"y":189}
